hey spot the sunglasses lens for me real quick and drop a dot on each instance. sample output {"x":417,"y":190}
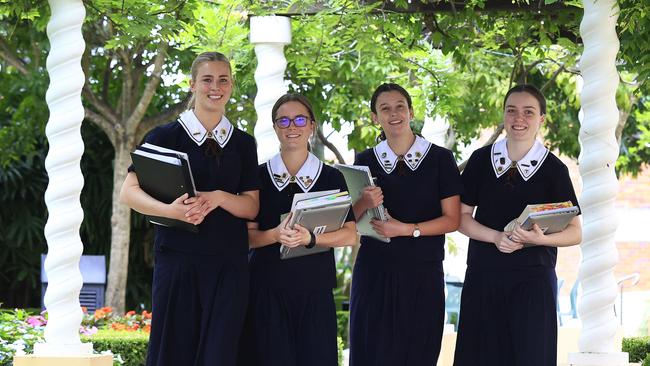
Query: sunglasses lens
{"x":283,"y":122}
{"x":300,"y":121}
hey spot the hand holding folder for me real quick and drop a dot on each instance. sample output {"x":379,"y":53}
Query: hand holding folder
{"x":318,"y":212}
{"x":358,"y":177}
{"x":165,"y":175}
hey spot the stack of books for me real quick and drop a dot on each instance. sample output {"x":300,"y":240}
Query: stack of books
{"x":319,"y":212}
{"x":550,"y":217}
{"x":165,"y":175}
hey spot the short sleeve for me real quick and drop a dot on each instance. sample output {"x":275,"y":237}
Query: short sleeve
{"x":449,"y":183}
{"x":249,"y":180}
{"x":470,"y":180}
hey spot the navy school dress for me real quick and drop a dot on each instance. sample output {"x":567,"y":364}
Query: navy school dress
{"x":200,"y":284}
{"x":291,"y":317}
{"x":397,"y":303}
{"x":507,"y":312}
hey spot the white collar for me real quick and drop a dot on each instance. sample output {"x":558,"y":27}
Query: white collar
{"x":221,"y":133}
{"x":387,"y":158}
{"x":306,"y":177}
{"x":527,"y":166}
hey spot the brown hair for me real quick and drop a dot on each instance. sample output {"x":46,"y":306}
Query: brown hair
{"x":383,"y":88}
{"x":200,"y":60}
{"x":290,"y":97}
{"x":530,"y":89}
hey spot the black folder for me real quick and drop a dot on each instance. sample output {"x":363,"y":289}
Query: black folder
{"x":165,"y":175}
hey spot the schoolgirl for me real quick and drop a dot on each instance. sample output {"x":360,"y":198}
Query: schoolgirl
{"x":397,"y":301}
{"x":291,"y":315}
{"x":200,"y":284}
{"x":507,"y":311}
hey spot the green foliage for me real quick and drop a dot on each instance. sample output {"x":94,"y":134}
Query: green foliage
{"x":16,"y":335}
{"x":23,"y":215}
{"x":646,"y":361}
{"x":456,"y":65}
{"x":637,"y":348}
{"x":342,"y":322}
{"x":635,"y":144}
{"x":129,"y":347}
{"x":633,"y":25}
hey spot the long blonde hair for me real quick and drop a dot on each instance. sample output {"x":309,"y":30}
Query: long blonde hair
{"x":200,"y":60}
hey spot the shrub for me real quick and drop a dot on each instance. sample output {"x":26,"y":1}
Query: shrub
{"x":646,"y":362}
{"x":18,"y":333}
{"x":637,"y":347}
{"x":129,"y":348}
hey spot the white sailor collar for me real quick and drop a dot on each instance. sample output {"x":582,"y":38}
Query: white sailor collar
{"x":527,"y":166}
{"x":387,"y":158}
{"x":306,"y":177}
{"x":221,"y":133}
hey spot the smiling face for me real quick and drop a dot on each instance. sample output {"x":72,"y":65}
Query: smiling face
{"x":212,"y":86}
{"x":292,"y":137}
{"x":522,"y":116}
{"x":393,"y":113}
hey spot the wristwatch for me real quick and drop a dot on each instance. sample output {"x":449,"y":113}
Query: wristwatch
{"x":416,"y":231}
{"x":312,"y":240}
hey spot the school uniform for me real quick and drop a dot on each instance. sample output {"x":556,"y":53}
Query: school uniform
{"x":200,"y":284}
{"x":507,"y":311}
{"x":397,"y":301}
{"x":291,"y":317}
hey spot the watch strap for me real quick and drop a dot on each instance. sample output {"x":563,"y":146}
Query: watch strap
{"x":312,"y":240}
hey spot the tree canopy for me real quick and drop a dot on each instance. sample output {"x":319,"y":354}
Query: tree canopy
{"x":456,"y":62}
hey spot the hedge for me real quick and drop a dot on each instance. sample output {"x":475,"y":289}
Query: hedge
{"x":638,"y":348}
{"x":131,"y":347}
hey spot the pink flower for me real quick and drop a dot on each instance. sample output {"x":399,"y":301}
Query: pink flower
{"x":88,"y":331}
{"x":36,"y":321}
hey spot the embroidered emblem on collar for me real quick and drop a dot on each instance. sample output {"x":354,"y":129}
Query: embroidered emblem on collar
{"x":307,"y":175}
{"x":221,"y":133}
{"x":387,"y":159}
{"x":527,"y":166}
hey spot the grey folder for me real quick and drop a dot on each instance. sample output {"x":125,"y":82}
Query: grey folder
{"x":357,"y":178}
{"x":551,"y":222}
{"x":320,"y":219}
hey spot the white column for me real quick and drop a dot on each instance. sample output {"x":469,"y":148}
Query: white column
{"x":599,"y":151}
{"x":269,"y":34}
{"x":435,"y":130}
{"x":62,"y":195}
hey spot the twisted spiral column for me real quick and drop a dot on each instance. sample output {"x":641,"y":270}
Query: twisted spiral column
{"x":269,"y":34}
{"x":599,"y":151}
{"x":65,"y":181}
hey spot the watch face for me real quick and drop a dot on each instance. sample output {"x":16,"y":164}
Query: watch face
{"x":416,"y":233}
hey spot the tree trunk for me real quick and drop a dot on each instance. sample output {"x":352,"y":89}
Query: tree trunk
{"x":120,"y":233}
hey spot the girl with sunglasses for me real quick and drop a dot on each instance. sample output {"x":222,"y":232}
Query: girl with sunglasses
{"x":291,"y":314}
{"x":397,"y":304}
{"x":508,"y":312}
{"x":200,"y":283}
